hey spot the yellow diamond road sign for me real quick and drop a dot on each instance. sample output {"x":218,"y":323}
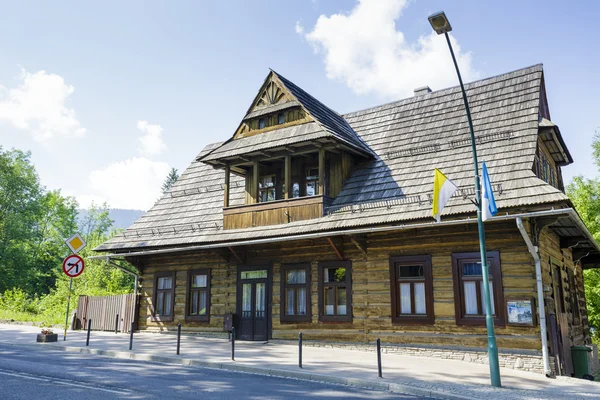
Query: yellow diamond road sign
{"x":75,"y":243}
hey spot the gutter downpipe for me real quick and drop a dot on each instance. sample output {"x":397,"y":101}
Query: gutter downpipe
{"x":135,"y":285}
{"x":540,"y":294}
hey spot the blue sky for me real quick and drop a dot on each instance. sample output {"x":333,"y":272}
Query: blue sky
{"x":109,"y":95}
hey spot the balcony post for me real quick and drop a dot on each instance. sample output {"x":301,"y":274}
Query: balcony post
{"x":322,"y":171}
{"x":287,"y":177}
{"x":254,"y":189}
{"x":226,"y":187}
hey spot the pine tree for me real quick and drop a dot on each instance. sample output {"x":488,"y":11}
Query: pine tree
{"x":170,"y":180}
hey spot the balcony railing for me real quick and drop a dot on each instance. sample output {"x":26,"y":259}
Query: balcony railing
{"x":275,"y":212}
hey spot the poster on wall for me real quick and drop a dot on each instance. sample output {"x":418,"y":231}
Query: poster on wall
{"x":520,"y":312}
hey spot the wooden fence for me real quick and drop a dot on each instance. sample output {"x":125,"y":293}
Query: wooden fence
{"x":103,"y":311}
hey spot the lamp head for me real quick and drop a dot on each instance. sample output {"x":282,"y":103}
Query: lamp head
{"x":439,"y":22}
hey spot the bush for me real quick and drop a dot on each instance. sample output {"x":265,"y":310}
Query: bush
{"x":16,"y":300}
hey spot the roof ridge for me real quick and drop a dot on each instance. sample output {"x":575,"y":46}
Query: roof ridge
{"x":328,"y":122}
{"x":540,"y":65}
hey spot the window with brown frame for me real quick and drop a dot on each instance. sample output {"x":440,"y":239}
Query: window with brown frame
{"x":468,"y":288}
{"x":197,"y":306}
{"x":164,"y":296}
{"x":335,"y":291}
{"x":411,"y":290}
{"x":295,"y":293}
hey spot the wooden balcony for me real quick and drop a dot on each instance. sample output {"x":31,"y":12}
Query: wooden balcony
{"x":275,"y":212}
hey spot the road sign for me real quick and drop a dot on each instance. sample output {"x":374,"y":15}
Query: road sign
{"x":73,"y":265}
{"x":75,"y":243}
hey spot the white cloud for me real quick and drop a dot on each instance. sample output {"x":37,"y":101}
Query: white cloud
{"x":37,"y":104}
{"x":366,"y":51}
{"x":152,"y":142}
{"x":131,"y":184}
{"x":299,"y":28}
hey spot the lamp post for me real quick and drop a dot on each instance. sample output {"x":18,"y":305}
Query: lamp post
{"x":440,"y":24}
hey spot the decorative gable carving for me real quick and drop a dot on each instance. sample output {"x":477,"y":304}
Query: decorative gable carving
{"x":273,"y":107}
{"x":270,"y":95}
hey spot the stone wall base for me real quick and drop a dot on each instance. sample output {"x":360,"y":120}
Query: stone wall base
{"x":593,"y":361}
{"x":524,"y":360}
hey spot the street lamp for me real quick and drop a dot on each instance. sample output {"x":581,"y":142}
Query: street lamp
{"x":440,"y":24}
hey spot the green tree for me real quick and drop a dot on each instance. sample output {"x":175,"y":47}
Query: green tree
{"x":170,"y":180}
{"x":585,"y":195}
{"x":33,"y":223}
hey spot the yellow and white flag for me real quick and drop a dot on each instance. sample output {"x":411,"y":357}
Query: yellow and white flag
{"x":443,"y":189}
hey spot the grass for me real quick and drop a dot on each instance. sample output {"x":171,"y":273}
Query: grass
{"x":35,"y":319}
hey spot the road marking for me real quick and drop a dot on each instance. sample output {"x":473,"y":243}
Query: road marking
{"x":47,"y":379}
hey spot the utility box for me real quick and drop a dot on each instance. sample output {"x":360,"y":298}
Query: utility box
{"x":580,"y":360}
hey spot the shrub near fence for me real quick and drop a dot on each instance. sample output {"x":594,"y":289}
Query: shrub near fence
{"x":102,"y":310}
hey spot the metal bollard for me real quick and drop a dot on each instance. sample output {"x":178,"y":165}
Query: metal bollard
{"x":379,"y":357}
{"x":117,"y":324}
{"x":87,"y":341}
{"x":178,"y":337}
{"x":232,"y":344}
{"x":300,"y":350}
{"x":131,"y":337}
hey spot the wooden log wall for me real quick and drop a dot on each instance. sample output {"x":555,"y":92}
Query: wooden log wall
{"x":370,"y":285}
{"x":551,"y":253}
{"x":222,"y":296}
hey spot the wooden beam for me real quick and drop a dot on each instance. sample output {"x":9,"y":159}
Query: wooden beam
{"x":289,"y":149}
{"x":236,"y":255}
{"x":360,"y":243}
{"x":254,"y":189}
{"x":322,"y":171}
{"x":226,"y":187}
{"x":334,"y":247}
{"x":287,"y":177}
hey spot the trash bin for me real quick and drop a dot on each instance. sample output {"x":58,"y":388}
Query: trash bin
{"x":580,"y":360}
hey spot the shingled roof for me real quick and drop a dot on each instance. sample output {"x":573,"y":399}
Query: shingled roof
{"x":327,"y":124}
{"x":410,"y":138}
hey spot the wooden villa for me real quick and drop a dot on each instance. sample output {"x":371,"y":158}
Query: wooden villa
{"x":308,"y":220}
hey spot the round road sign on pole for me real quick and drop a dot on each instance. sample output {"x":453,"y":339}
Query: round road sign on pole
{"x":73,"y":265}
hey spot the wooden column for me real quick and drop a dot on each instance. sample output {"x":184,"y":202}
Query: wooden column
{"x":254,"y":192}
{"x":287,"y":177}
{"x":226,"y":188}
{"x":321,"y":171}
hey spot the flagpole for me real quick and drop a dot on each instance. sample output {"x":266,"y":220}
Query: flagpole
{"x":489,"y":319}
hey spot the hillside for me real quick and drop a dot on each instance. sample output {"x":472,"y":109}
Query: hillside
{"x":122,"y":218}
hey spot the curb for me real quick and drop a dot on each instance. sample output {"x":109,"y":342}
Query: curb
{"x":305,"y":376}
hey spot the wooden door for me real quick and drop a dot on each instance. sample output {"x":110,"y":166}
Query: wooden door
{"x":253,"y":305}
{"x":562,"y":353}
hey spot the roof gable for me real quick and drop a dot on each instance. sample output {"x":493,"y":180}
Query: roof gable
{"x":278,"y":94}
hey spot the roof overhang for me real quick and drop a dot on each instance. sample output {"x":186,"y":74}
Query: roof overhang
{"x":552,"y":138}
{"x":565,"y":222}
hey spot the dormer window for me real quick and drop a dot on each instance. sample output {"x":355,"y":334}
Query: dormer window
{"x":312,"y":181}
{"x":266,"y":188}
{"x":280,"y":118}
{"x":262,"y":123}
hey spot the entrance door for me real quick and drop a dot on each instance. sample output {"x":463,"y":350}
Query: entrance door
{"x":253,"y":304}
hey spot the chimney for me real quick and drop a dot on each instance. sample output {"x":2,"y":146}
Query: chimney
{"x":422,"y":90}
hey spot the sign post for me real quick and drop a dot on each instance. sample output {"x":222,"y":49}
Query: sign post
{"x":73,"y":266}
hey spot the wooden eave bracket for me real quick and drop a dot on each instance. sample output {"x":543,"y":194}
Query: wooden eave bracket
{"x":239,"y":255}
{"x":335,"y":249}
{"x":360,"y":242}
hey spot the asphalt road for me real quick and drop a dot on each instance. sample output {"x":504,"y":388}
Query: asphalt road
{"x":26,"y":374}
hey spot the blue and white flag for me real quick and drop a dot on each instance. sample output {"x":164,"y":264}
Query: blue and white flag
{"x":488,"y":204}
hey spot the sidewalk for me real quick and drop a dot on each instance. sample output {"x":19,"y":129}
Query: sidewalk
{"x":444,"y":379}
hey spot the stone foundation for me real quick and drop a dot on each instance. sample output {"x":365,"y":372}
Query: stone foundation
{"x":524,"y":360}
{"x":593,"y":361}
